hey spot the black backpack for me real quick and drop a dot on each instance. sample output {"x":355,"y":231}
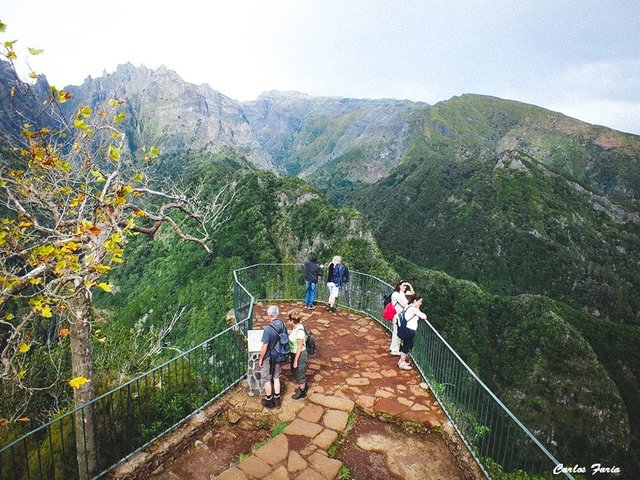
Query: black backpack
{"x":310,"y":342}
{"x":402,"y":324}
{"x":386,"y":299}
{"x":279,"y":352}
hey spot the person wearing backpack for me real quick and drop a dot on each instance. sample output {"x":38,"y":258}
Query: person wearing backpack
{"x":408,"y":324}
{"x":272,"y":354}
{"x":337,"y":276}
{"x":399,"y":302}
{"x":299,"y":355}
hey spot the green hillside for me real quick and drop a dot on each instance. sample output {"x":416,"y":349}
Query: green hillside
{"x":272,"y":220}
{"x":574,"y":386}
{"x":512,"y":220}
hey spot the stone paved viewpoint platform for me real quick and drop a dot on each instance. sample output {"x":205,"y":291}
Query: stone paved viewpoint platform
{"x":352,"y":371}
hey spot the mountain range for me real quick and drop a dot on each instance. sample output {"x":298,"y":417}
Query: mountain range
{"x":521,"y":225}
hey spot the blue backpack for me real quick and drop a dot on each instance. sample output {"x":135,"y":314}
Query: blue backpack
{"x":279,"y":352}
{"x":403,"y":331}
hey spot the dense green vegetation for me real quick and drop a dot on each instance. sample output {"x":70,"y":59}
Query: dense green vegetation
{"x":271,"y":220}
{"x":533,"y":217}
{"x":522,"y":229}
{"x":537,"y":355}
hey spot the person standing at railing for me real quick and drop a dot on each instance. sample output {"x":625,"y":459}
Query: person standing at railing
{"x":299,"y":355}
{"x":411,"y":313}
{"x":399,"y":301}
{"x":337,"y":276}
{"x":270,"y":370}
{"x":311,"y":273}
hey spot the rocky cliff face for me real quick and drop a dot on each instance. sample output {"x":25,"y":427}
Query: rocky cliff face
{"x":167,"y":112}
{"x":18,"y":99}
{"x":320,"y":138}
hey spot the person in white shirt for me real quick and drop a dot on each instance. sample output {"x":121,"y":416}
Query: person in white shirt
{"x":299,"y":355}
{"x":399,"y":301}
{"x":412,"y":314}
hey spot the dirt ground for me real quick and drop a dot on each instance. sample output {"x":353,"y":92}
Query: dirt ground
{"x":375,"y":449}
{"x":220,"y":448}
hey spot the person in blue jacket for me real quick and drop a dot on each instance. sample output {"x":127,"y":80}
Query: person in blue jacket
{"x":337,"y":276}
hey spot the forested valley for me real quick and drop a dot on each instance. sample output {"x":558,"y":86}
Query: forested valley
{"x":520,"y":226}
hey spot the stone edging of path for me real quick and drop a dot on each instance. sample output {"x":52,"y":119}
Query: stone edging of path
{"x":301,"y":451}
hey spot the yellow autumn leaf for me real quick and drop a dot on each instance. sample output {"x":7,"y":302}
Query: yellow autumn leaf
{"x":24,"y":348}
{"x":98,"y":176}
{"x":138,"y":177}
{"x":46,"y":312}
{"x":105,"y":286}
{"x":102,"y":268}
{"x":21,"y":374}
{"x":71,"y":245}
{"x":80,"y":124}
{"x":23,"y":419}
{"x":77,"y":382}
{"x":63,"y":97}
{"x":35,"y":51}
{"x":114,"y":153}
{"x":78,"y":200}
{"x":8,"y":316}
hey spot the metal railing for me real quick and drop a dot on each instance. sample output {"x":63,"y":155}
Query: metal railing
{"x":130,"y":417}
{"x":127,"y":419}
{"x":500,"y":443}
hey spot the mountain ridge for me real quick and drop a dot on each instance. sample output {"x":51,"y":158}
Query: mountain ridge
{"x":527,"y":203}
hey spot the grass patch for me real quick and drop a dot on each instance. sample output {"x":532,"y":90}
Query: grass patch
{"x":344,"y":473}
{"x":258,"y":445}
{"x":352,"y":418}
{"x":333,"y":450}
{"x":278,"y":428}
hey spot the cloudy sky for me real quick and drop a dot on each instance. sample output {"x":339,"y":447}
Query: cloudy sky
{"x":579,"y":57}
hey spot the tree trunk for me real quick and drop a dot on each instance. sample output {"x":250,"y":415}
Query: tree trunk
{"x":82,"y":365}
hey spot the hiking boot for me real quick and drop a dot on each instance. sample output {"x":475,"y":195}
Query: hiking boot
{"x":277,"y":400}
{"x":299,"y":393}
{"x":269,"y":404}
{"x":404,"y":366}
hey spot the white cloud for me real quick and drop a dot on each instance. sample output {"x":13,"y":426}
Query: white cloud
{"x":607,"y":79}
{"x":623,"y":116}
